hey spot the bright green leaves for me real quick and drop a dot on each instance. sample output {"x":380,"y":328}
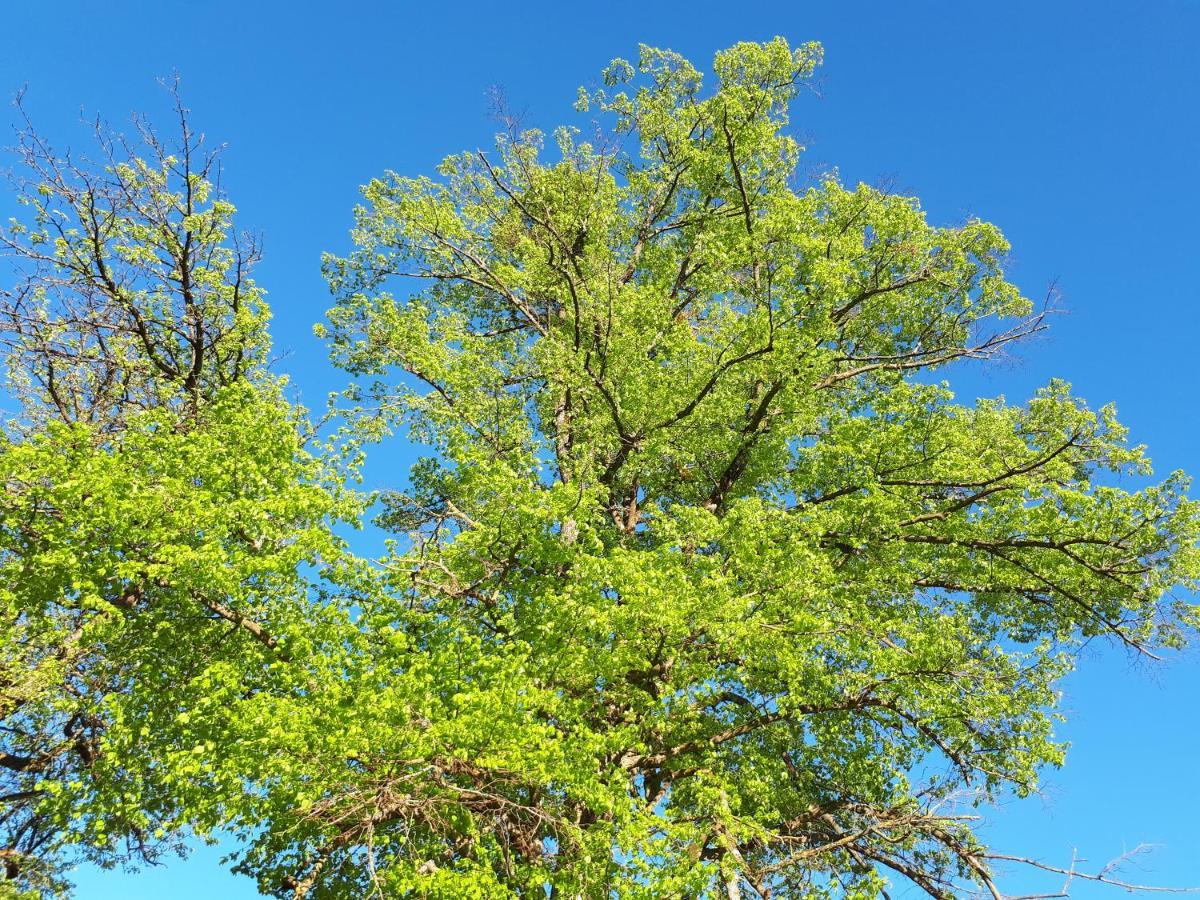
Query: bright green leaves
{"x":1006,"y":504}
{"x":152,"y":582}
{"x":165,"y":527}
{"x":702,"y":590}
{"x":136,"y":288}
{"x":661,"y":319}
{"x":899,"y":290}
{"x":774,"y":601}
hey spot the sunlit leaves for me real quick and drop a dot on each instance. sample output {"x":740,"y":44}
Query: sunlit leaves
{"x":787,"y":607}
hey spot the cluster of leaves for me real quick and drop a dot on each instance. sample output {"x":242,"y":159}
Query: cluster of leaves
{"x":705,"y":588}
{"x":164,"y":524}
{"x":784,"y":607}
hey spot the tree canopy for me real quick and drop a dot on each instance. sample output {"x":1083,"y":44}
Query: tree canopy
{"x":707,"y":585}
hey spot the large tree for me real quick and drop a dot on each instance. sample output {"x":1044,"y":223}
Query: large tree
{"x":739,"y":599}
{"x":706,"y":588}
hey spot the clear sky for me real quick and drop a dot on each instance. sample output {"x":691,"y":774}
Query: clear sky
{"x":1075,"y":126}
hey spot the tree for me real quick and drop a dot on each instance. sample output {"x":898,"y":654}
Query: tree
{"x":706,"y":588}
{"x":726,"y":594}
{"x":162,"y":521}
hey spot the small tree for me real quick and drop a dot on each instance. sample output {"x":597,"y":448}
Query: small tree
{"x":711,"y":588}
{"x":161,"y":516}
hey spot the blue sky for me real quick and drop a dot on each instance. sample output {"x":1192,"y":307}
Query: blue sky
{"x":1074,"y":126}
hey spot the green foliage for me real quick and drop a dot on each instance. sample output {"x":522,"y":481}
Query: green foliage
{"x":777,"y":609}
{"x":165,"y":523}
{"x":707,"y":586}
